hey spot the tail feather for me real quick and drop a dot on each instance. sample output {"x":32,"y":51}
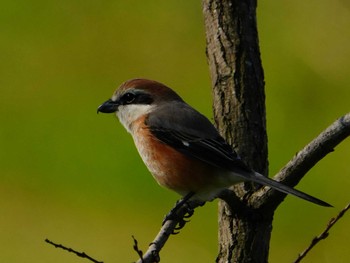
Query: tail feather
{"x":258,"y":178}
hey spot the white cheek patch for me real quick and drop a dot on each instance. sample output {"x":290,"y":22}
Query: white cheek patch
{"x":127,"y":114}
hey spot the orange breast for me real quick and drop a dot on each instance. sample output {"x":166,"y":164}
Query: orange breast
{"x":171,"y":168}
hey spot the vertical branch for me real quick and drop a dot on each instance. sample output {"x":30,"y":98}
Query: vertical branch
{"x":237,"y":77}
{"x":239,"y":112}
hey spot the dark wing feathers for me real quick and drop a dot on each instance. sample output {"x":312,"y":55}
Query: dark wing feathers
{"x":214,"y":152}
{"x":192,"y":134}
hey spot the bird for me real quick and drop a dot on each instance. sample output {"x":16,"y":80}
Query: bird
{"x":180,"y":146}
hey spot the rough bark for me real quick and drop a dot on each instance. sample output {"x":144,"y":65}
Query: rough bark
{"x":239,"y":112}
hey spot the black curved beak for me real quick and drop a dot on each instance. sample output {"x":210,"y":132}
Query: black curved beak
{"x":108,"y":106}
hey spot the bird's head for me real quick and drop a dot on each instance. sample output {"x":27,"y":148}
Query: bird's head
{"x":136,"y":98}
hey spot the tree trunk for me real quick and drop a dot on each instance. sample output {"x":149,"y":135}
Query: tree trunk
{"x":239,"y":112}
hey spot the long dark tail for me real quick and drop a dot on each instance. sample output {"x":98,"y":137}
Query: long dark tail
{"x":258,"y":178}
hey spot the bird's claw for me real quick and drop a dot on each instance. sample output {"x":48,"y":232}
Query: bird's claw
{"x":181,"y":220}
{"x":173,"y":214}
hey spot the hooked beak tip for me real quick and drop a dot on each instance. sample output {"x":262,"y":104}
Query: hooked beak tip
{"x":108,"y":106}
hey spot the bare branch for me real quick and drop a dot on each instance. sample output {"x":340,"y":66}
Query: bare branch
{"x":304,"y":160}
{"x":323,"y":235}
{"x":315,"y":151}
{"x":79,"y":254}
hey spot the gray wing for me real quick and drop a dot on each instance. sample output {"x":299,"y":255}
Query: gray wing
{"x":192,"y":134}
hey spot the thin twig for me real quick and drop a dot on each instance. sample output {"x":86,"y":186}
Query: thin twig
{"x":323,"y":235}
{"x":79,"y":254}
{"x":136,"y":248}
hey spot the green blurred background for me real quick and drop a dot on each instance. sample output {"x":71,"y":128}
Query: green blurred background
{"x":74,"y":177}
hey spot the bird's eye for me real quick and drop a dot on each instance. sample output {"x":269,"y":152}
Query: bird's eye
{"x":129,"y":98}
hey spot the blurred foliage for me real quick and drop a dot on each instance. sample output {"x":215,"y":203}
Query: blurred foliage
{"x":74,"y":177}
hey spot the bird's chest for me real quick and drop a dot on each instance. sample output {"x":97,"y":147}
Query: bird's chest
{"x":156,"y":155}
{"x":169,"y":167}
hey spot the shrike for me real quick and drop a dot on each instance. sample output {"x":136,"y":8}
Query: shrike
{"x":180,"y":147}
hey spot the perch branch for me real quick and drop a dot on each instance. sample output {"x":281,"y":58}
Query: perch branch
{"x":304,"y":160}
{"x":323,"y":235}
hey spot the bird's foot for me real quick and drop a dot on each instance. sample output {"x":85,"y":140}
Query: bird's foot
{"x":183,"y":218}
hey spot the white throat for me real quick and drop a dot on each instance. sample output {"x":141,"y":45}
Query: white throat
{"x":127,"y":114}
